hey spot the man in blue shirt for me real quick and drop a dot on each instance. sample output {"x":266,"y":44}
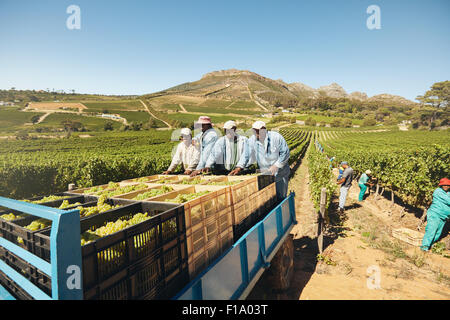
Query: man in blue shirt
{"x":271,"y":152}
{"x":346,"y":183}
{"x":230,"y":153}
{"x":206,"y":141}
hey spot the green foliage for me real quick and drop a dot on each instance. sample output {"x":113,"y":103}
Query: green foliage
{"x":46,"y":166}
{"x":409,"y":163}
{"x":320,"y":176}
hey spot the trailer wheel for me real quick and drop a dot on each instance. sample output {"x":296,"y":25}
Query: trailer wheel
{"x":281,"y":268}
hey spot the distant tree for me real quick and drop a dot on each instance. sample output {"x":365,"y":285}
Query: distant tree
{"x":136,"y":126}
{"x":35,"y":119}
{"x":125,"y":127}
{"x":347,"y":123}
{"x":438,"y":96}
{"x":336,"y":122}
{"x":369,"y":121}
{"x":310,"y":122}
{"x":108,"y":126}
{"x":70,"y":125}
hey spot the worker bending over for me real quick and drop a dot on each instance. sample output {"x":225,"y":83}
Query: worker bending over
{"x":364,"y":182}
{"x":437,"y":215}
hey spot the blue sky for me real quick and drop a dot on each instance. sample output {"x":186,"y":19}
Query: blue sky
{"x":138,"y":47}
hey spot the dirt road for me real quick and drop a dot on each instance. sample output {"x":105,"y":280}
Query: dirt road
{"x":148,"y":110}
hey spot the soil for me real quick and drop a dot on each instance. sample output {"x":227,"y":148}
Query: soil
{"x":361,"y":260}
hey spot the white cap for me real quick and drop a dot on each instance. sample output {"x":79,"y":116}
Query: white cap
{"x":368,"y":172}
{"x":258,"y":125}
{"x":185,"y":132}
{"x":230,"y":124}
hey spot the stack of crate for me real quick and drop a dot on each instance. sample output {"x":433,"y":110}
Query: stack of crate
{"x":144,"y":261}
{"x":251,"y":198}
{"x":208,"y":221}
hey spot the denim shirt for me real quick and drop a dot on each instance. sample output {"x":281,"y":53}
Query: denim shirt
{"x":206,"y":140}
{"x":218,"y":153}
{"x":274,"y":151}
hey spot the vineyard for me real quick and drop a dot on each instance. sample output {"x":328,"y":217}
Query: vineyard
{"x":408,"y":163}
{"x":297,"y":141}
{"x":40,"y":167}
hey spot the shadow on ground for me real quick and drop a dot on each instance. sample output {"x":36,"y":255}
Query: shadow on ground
{"x":306,"y":250}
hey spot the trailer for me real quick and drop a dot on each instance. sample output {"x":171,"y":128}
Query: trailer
{"x":231,"y":276}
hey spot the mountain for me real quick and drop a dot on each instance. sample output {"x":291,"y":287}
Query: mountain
{"x":233,"y":84}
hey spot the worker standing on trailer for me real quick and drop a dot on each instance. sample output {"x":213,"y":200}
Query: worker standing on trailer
{"x":270,"y":151}
{"x":186,"y":154}
{"x":437,"y":214}
{"x":230,"y":153}
{"x":205,"y":141}
{"x":346,"y":183}
{"x":364,"y":182}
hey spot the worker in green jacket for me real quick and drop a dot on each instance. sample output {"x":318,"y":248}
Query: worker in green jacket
{"x":364,"y":182}
{"x":437,"y":214}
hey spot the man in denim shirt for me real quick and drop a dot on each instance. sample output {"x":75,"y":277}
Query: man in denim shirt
{"x":206,"y":141}
{"x":271,"y":152}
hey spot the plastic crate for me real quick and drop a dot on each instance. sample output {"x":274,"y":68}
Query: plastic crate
{"x":13,"y":230}
{"x":412,"y":237}
{"x":249,"y":211}
{"x":244,"y":189}
{"x":104,"y":187}
{"x":133,"y":194}
{"x":265,"y":180}
{"x":207,"y":253}
{"x":160,"y":276}
{"x":199,"y":209}
{"x":82,"y":190}
{"x":13,"y":288}
{"x":34,"y":275}
{"x":265,"y":200}
{"x":198,"y":236}
{"x":152,"y":179}
{"x":116,"y":278}
{"x":56,"y":203}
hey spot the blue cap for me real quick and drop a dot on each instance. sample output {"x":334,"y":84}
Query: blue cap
{"x":344,"y":162}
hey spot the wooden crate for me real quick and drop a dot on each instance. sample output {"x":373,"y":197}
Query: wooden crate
{"x":412,"y":237}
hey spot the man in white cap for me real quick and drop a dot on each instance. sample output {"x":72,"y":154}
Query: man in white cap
{"x":206,"y":141}
{"x":271,"y":152}
{"x":230,"y":153}
{"x":186,"y":154}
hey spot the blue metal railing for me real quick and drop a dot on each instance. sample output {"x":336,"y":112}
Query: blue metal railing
{"x":234,"y":273}
{"x":65,"y":268}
